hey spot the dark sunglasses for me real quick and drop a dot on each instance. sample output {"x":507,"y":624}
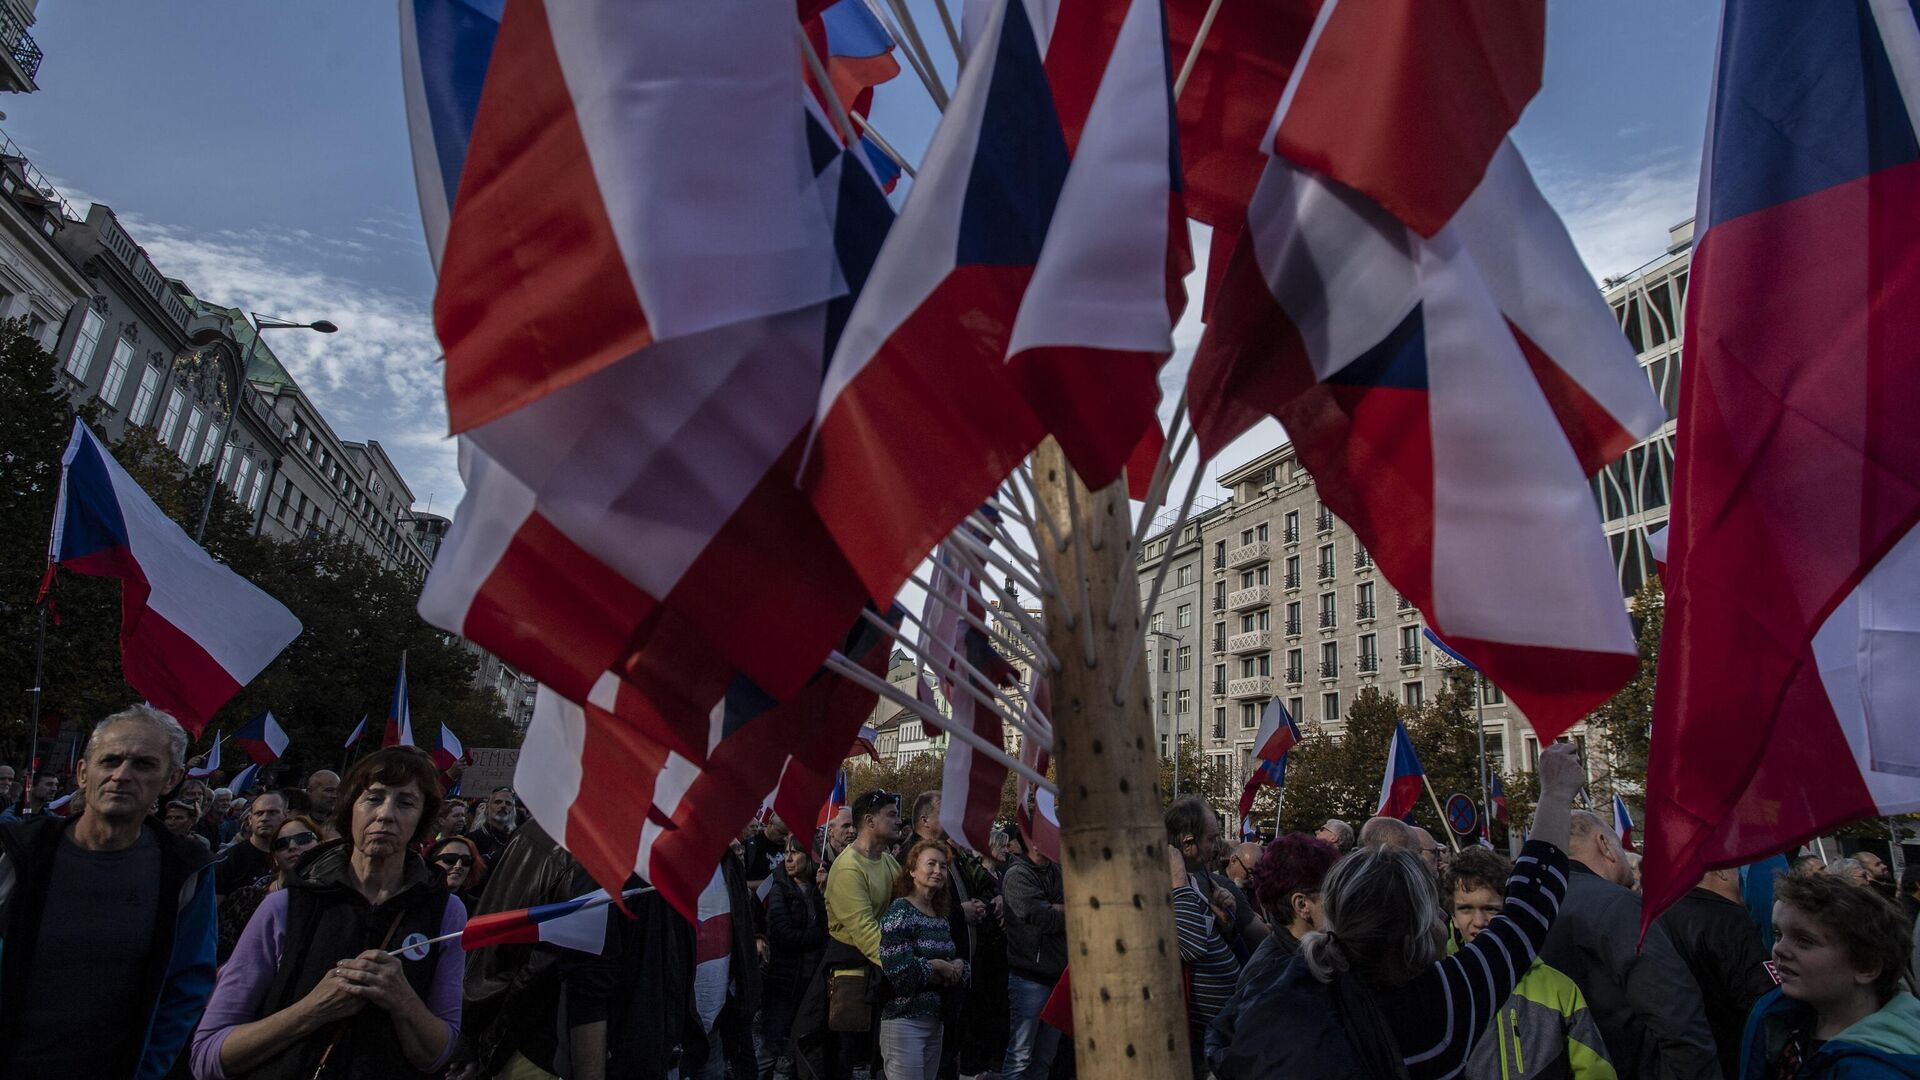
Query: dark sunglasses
{"x":299,"y":839}
{"x":451,"y":860}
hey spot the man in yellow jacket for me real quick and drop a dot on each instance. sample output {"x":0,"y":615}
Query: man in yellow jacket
{"x":859,"y":888}
{"x":1543,"y":1031}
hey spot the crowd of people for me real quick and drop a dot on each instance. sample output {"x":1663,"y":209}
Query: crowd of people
{"x":308,"y":933}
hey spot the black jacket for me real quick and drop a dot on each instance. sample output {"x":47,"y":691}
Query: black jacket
{"x":512,"y":999}
{"x":1297,"y":1026}
{"x":641,"y":985}
{"x":1269,"y":958}
{"x":1036,"y":932}
{"x":1645,"y":1002}
{"x":1717,"y":941}
{"x":796,"y":936}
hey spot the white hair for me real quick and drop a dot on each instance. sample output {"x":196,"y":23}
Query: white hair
{"x":227,"y":791}
{"x":161,"y":721}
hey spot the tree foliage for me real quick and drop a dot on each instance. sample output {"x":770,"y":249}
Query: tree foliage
{"x":357,"y":617}
{"x":1624,"y":725}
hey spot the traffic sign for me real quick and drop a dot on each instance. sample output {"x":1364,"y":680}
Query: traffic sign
{"x":1462,"y":816}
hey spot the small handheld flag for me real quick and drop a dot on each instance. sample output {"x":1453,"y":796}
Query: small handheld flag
{"x":213,"y":758}
{"x":248,"y":776}
{"x":1623,"y":823}
{"x":400,"y":715}
{"x":866,"y":742}
{"x":1400,"y":787}
{"x":836,"y":799}
{"x":262,"y":738}
{"x":449,"y":750}
{"x":359,"y":730}
{"x":1427,"y":632}
{"x":1498,"y":796}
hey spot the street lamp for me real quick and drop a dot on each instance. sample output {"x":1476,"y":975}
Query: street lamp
{"x":1173,"y":712}
{"x":261,"y":323}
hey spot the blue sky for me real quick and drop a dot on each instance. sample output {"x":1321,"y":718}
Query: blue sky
{"x":258,"y":151}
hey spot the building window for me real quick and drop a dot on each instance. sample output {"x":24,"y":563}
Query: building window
{"x":191,"y":434}
{"x":1166,"y":702}
{"x":1183,"y":702}
{"x":176,"y":404}
{"x":1369,"y":653}
{"x":1246,"y":668}
{"x":1491,"y":694}
{"x":1219,"y":553}
{"x":1295,"y":665}
{"x":1220,"y":723}
{"x":1532,"y":746}
{"x":1293,"y":571}
{"x":1326,"y":562}
{"x":1292,"y":532}
{"x":1329,"y":659}
{"x":117,"y":373}
{"x":1184,"y":661}
{"x":1294,"y":705}
{"x":1157,"y":624}
{"x":1329,"y":613}
{"x":1249,"y":714}
{"x":1363,"y":600}
{"x":1497,"y":749}
{"x":1166,"y":659}
{"x":80,"y":360}
{"x":143,"y":398}
{"x":1266,"y":663}
{"x":1293,"y":616}
{"x":1246,"y":537}
{"x":212,"y":445}
{"x":1219,"y":678}
{"x":1330,"y":708}
{"x":1183,"y":575}
{"x":1260,"y":532}
{"x":1262,"y":575}
{"x":1409,"y":645}
{"x":1183,"y":616}
{"x":1414,"y":694}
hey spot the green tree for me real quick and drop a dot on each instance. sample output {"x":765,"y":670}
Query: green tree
{"x":1332,"y":776}
{"x":1624,"y":724}
{"x":1202,"y":775}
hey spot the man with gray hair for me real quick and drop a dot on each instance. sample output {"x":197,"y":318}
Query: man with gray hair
{"x":113,"y":892}
{"x":1338,"y":833}
{"x":1645,"y":1001}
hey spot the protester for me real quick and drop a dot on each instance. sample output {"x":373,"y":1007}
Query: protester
{"x":796,"y":940}
{"x":765,"y":850}
{"x":323,"y":794}
{"x":1286,"y":881}
{"x":250,"y":857}
{"x":518,"y":997}
{"x":1839,"y":1010}
{"x":1338,"y":833}
{"x":1879,"y":874}
{"x":296,"y":836}
{"x":1851,"y":870}
{"x":1034,"y":904}
{"x":1389,"y":833}
{"x":311,"y":983}
{"x":836,"y":836}
{"x":458,"y":858}
{"x":453,"y":819}
{"x":1644,"y":999}
{"x":498,"y":820}
{"x":1809,"y":863}
{"x":8,"y":788}
{"x":1431,"y":851}
{"x":108,"y":921}
{"x":1709,"y":929}
{"x":1545,"y":1029}
{"x":218,"y":805}
{"x":1241,"y":859}
{"x":1374,"y":994}
{"x":45,"y":789}
{"x":995,"y":857}
{"x":974,"y":1035}
{"x":922,"y":966}
{"x":1203,"y":916}
{"x":179,"y":816}
{"x":859,"y":890}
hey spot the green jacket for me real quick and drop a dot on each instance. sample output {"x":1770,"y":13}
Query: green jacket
{"x":1542,"y":1031}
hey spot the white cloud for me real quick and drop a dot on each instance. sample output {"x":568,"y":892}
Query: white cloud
{"x":378,"y":378}
{"x":1619,"y":220}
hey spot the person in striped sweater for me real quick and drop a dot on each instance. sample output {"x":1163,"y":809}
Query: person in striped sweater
{"x":1374,"y":993}
{"x":921,"y":963}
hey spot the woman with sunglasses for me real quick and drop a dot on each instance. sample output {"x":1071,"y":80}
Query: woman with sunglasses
{"x":294,"y":838}
{"x":458,"y":857}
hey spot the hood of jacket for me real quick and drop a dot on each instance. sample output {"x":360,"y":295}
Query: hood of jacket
{"x":1885,"y":1043}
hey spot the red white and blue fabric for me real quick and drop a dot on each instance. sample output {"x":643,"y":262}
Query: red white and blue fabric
{"x":448,"y":751}
{"x":1623,"y":824}
{"x":859,"y":56}
{"x":1423,"y":380}
{"x":1006,"y":305}
{"x":192,"y":632}
{"x":1035,"y":812}
{"x":262,"y":738}
{"x":1435,"y":640}
{"x":712,"y":950}
{"x":1498,"y":796}
{"x":964,"y":663}
{"x":399,"y":729}
{"x":865,"y":742}
{"x":1277,"y":736}
{"x":836,"y":799}
{"x":245,"y":779}
{"x":579,"y":924}
{"x":1793,"y":557}
{"x":359,"y":732}
{"x":207,"y":768}
{"x":1400,"y":787}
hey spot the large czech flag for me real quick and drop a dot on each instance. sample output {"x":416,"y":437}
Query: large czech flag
{"x":1400,"y":787}
{"x":1789,"y":667}
{"x":262,"y":738}
{"x":192,"y":632}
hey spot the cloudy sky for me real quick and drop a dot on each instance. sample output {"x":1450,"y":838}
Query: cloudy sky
{"x":258,"y":150}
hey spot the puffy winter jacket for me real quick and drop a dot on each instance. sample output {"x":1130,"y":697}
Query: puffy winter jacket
{"x":1543,"y":1030}
{"x":1884,"y":1046}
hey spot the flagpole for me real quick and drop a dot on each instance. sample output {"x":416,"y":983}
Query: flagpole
{"x":39,"y":670}
{"x":458,"y":934}
{"x":1448,"y":829}
{"x":1480,"y":728}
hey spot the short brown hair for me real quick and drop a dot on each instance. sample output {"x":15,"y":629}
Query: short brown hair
{"x":394,"y":766}
{"x":1869,"y":927}
{"x":1475,"y":868}
{"x":903,"y":881}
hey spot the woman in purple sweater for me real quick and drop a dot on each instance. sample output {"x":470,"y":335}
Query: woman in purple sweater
{"x":311,"y":990}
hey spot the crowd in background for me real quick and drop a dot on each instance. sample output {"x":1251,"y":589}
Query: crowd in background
{"x":308,"y":932}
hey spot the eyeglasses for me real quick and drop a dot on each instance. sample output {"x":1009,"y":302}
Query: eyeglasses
{"x":299,"y":839}
{"x":451,"y":860}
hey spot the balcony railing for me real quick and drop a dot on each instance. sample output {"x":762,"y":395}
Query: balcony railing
{"x":1293,"y":581}
{"x":1219,"y":687}
{"x":1293,"y":627}
{"x":1252,"y":686}
{"x":1409,"y":656}
{"x":1219,"y":562}
{"x":1405,"y":604}
{"x":1329,"y":669}
{"x":1295,"y":676}
{"x":1219,"y":729}
{"x":1255,"y":596}
{"x":1219,"y":644}
{"x":1369,"y":661}
{"x":1326,"y":571}
{"x":1363,"y":609}
{"x":26,"y":51}
{"x":1329,"y":620}
{"x":1250,"y":641}
{"x":1219,"y":603}
{"x":1323,"y":523}
{"x":1292,"y":534}
{"x":1363,"y":559}
{"x":1247,"y":555}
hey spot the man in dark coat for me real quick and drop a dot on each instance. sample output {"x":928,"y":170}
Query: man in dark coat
{"x":1710,"y":929}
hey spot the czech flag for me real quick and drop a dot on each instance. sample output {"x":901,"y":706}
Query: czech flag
{"x":359,"y":731}
{"x":400,"y":716}
{"x":579,"y":924}
{"x":865,"y":742}
{"x":835,"y":799}
{"x":449,"y":750}
{"x":213,"y":758}
{"x":1498,"y":796}
{"x":1623,"y":823}
{"x":1276,"y":737}
{"x":192,"y":632}
{"x":262,"y":738}
{"x":1400,"y":787}
{"x":246,"y":779}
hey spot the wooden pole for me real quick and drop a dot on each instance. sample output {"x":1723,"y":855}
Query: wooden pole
{"x":1444,"y":826}
{"x":1128,"y":1019}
